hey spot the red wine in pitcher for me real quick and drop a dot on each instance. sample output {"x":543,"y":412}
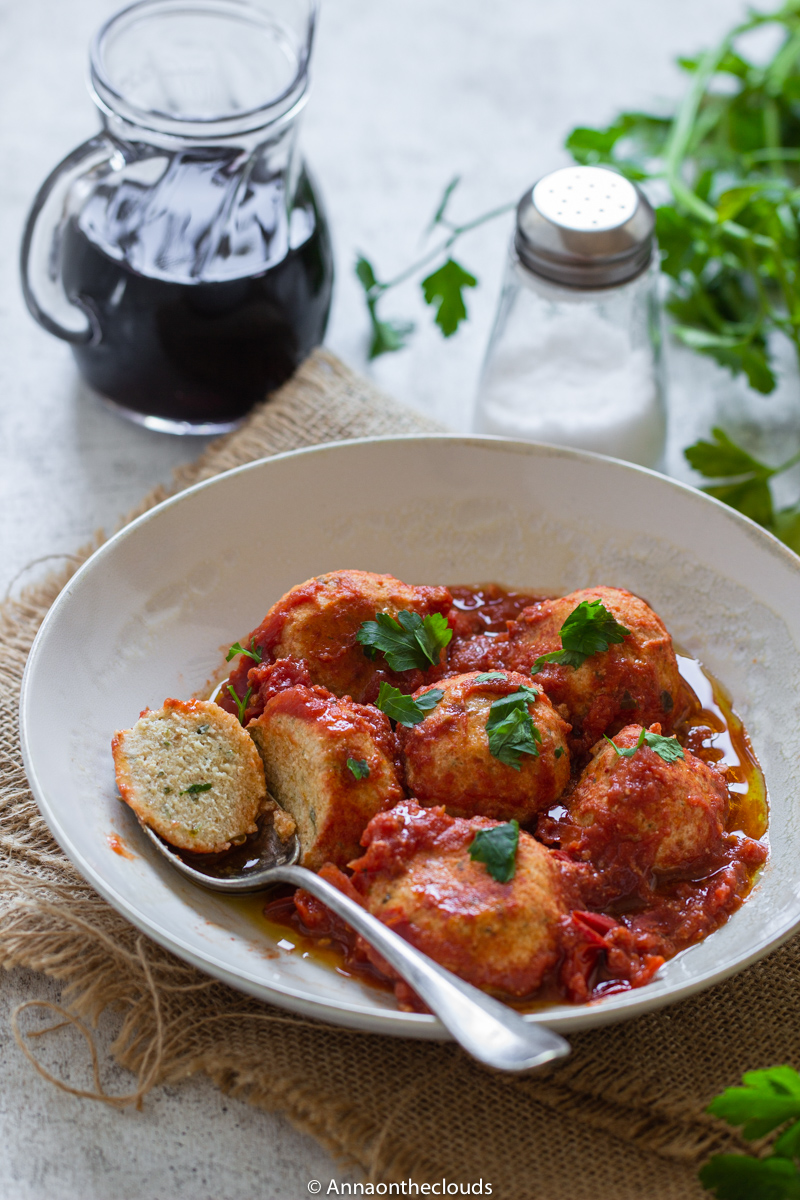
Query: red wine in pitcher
{"x":201,"y":351}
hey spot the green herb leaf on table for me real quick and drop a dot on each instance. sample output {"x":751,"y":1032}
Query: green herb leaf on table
{"x":194,"y":788}
{"x":404,"y":709}
{"x":667,"y":748}
{"x":786,"y":526}
{"x":723,"y":459}
{"x":359,"y":768}
{"x":742,"y":1177}
{"x":589,"y":629}
{"x":767,"y":1100}
{"x":744,"y":484}
{"x":408,"y":642}
{"x":443,"y":289}
{"x":496,"y":848}
{"x":237,"y":648}
{"x":386,"y":336}
{"x":510,"y":728}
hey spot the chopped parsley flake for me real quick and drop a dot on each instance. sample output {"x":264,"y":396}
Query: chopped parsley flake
{"x":491,"y":677}
{"x":497,"y":849}
{"x":358,"y":767}
{"x":589,"y":629}
{"x":194,"y":788}
{"x":407,"y":642}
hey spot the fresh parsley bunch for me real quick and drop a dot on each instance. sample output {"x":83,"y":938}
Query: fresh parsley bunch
{"x":768,"y":1100}
{"x":729,"y":161}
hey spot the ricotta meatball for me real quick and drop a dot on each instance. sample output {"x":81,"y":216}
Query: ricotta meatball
{"x":331,"y":764}
{"x":317,"y":622}
{"x":642,"y":814}
{"x":417,"y":877}
{"x":634,"y":680}
{"x":448,"y":757}
{"x":190,"y":772}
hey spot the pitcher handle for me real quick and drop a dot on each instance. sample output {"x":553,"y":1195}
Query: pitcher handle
{"x":40,"y":266}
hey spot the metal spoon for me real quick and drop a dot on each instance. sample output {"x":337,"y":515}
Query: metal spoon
{"x":491,"y":1032}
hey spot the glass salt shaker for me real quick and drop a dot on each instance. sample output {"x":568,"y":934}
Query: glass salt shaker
{"x":183,"y":251}
{"x":574,"y":356}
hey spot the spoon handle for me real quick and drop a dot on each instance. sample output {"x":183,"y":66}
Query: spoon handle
{"x":491,"y":1032}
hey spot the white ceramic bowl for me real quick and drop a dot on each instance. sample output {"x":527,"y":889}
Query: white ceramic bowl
{"x":150,"y":614}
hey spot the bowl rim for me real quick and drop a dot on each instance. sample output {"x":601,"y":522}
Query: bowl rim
{"x":348,"y":1014}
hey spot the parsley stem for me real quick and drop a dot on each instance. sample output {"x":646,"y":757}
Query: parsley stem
{"x":435,"y":252}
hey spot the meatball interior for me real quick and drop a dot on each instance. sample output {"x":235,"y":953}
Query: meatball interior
{"x":448,"y":761}
{"x":417,"y":877}
{"x":636,"y":679}
{"x":190,"y":772}
{"x":306,"y":738}
{"x":643,"y":813}
{"x":317,"y":622}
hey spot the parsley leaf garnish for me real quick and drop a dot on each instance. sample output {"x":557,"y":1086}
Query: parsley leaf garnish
{"x":497,"y":849}
{"x":194,"y":788}
{"x":668,"y":748}
{"x":358,"y":767}
{"x":491,"y":677}
{"x":404,"y":709}
{"x":510,"y":728}
{"x":589,"y":629}
{"x":768,"y":1100}
{"x":237,"y":648}
{"x":241,"y":705}
{"x":408,"y":642}
{"x":443,"y":289}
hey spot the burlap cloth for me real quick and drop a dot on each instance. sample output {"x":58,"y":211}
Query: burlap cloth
{"x":622,"y":1119}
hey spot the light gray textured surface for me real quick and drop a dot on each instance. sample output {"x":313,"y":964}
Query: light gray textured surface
{"x":406,"y":95}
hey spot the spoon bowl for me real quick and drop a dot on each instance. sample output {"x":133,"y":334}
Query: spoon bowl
{"x":238,"y":871}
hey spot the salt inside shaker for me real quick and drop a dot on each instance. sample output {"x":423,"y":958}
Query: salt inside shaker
{"x":573,"y":358}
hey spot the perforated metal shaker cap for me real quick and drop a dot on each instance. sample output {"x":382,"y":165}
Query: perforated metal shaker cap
{"x":585,"y":227}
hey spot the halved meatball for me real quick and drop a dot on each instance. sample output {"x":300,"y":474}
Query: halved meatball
{"x":642,"y":813}
{"x":634,"y":680}
{"x":417,"y":877}
{"x":317,"y":622}
{"x":190,"y":772}
{"x":331,"y":764}
{"x":448,"y":760}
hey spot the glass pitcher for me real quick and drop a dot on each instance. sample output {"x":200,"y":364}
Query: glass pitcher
{"x":183,"y":251}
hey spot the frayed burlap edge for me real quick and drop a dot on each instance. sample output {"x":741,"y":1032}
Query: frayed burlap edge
{"x":623,"y":1118}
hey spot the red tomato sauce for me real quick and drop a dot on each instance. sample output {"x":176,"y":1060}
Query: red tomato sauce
{"x":608,"y":947}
